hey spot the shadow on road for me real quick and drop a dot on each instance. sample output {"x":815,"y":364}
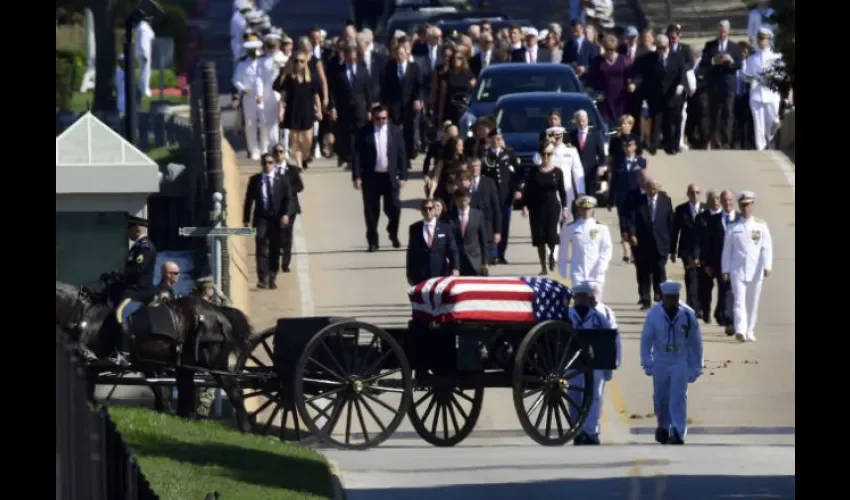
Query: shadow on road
{"x":633,"y":488}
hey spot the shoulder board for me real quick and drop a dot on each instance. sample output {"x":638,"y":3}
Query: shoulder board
{"x":144,"y":243}
{"x":760,"y":221}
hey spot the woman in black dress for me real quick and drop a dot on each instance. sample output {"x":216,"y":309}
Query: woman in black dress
{"x":544,"y":202}
{"x":450,"y":165}
{"x":458,"y":80}
{"x":300,"y":98}
{"x":441,"y":71}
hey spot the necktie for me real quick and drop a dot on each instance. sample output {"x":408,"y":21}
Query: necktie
{"x":722,"y":47}
{"x":531,"y":56}
{"x":350,"y":76}
{"x":268,"y":192}
{"x":581,"y":137}
{"x":430,"y":235}
{"x":463,"y":223}
{"x":401,"y":72}
{"x":475,"y":186}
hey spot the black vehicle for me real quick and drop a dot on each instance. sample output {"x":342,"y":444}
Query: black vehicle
{"x":502,"y":79}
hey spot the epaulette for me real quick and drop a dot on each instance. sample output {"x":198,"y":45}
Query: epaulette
{"x":760,"y":221}
{"x":144,"y":243}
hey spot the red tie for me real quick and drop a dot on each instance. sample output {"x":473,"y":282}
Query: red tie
{"x":430,"y":235}
{"x":581,"y":137}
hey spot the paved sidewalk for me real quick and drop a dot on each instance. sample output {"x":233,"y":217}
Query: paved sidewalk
{"x":698,"y":18}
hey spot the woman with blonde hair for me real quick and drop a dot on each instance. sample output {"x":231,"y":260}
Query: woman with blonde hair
{"x":317,"y":69}
{"x":300,"y":99}
{"x":544,"y":202}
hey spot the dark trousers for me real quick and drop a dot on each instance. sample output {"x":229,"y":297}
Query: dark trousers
{"x":705,"y":285}
{"x":723,"y":309}
{"x":743,"y":131}
{"x":267,"y":242}
{"x":692,"y":282}
{"x":651,"y":272}
{"x":286,"y":243}
{"x":666,"y":123}
{"x":374,"y":190}
{"x":343,"y":140}
{"x":695,"y":127}
{"x":500,"y":248}
{"x":721,"y":108}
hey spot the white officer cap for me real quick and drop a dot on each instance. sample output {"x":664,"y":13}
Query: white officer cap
{"x":252,"y":44}
{"x":272,"y":36}
{"x":583,"y":288}
{"x":555,"y":130}
{"x":586,"y":201}
{"x":670,"y":288}
{"x":746,"y":197}
{"x":544,"y":33}
{"x":254,"y":17}
{"x":399,"y":34}
{"x":323,"y":34}
{"x":241,"y":5}
{"x":765,"y":32}
{"x":531,"y":32}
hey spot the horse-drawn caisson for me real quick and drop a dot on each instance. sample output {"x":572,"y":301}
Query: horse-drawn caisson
{"x":349,"y":383}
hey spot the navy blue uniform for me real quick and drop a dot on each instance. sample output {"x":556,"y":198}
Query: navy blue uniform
{"x":625,"y":176}
{"x":139,"y":270}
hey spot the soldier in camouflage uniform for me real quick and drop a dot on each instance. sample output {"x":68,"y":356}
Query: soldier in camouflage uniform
{"x":206,"y":289}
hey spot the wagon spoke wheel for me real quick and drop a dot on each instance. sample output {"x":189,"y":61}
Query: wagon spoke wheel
{"x":445,"y":415}
{"x":352,"y":385}
{"x":268,"y":405}
{"x":552,"y":383}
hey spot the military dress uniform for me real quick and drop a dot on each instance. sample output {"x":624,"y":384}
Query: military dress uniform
{"x":503,"y":166}
{"x":586,"y":248}
{"x":139,"y":271}
{"x":747,"y":256}
{"x":671,"y":353}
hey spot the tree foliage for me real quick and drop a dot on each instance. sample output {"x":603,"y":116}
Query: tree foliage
{"x":785,"y":42}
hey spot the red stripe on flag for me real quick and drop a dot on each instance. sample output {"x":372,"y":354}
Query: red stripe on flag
{"x":489,"y":295}
{"x":432,"y":294}
{"x":501,"y":316}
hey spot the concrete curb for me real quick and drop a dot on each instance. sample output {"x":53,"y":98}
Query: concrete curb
{"x":336,"y":481}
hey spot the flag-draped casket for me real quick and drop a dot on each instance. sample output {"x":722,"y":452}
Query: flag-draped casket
{"x":489,"y":299}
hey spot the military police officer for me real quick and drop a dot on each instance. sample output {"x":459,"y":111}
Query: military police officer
{"x":140,"y":265}
{"x":671,"y":353}
{"x":503,"y":166}
{"x":585,"y":247}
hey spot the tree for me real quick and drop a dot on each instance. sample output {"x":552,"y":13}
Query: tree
{"x":785,"y":43}
{"x":104,"y":33}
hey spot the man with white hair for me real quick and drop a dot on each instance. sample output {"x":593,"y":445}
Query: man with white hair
{"x":720,"y":62}
{"x":531,"y":53}
{"x":661,"y":78}
{"x":591,"y":151}
{"x":375,"y":60}
{"x":431,"y":50}
{"x":764,"y":101}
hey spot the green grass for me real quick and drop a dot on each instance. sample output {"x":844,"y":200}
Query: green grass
{"x":185,"y":460}
{"x":164,"y":155}
{"x":82,"y":101}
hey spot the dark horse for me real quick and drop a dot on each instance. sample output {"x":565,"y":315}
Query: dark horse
{"x":180,"y":335}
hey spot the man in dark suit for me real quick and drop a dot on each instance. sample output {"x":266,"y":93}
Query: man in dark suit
{"x":532,"y":53}
{"x":711,"y":241}
{"x":578,"y":51}
{"x":431,"y":248}
{"x":591,"y":150}
{"x":485,"y":197}
{"x":677,"y":47}
{"x":660,"y":78}
{"x":374,"y":59}
{"x":720,"y":62}
{"x":469,"y":228}
{"x":649,"y":229}
{"x":273,"y":209}
{"x":630,"y":46}
{"x":379,"y":170}
{"x":352,"y":94}
{"x":486,"y":55}
{"x":290,"y":173}
{"x":403,"y":93}
{"x":685,"y":245}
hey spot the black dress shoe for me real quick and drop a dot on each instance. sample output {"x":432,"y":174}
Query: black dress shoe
{"x":285,"y":269}
{"x":657,"y":297}
{"x":272,"y":285}
{"x":373,"y":248}
{"x":262,"y":284}
{"x":662,"y":436}
{"x":395,"y":242}
{"x":675,"y":438}
{"x":706,"y":318}
{"x":644,"y":306}
{"x":501,"y":260}
{"x":580,"y":440}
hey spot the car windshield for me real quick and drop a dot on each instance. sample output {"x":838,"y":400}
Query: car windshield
{"x":491,"y":88}
{"x":525,"y":117}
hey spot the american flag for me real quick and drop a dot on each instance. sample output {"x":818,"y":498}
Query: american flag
{"x":516,"y":300}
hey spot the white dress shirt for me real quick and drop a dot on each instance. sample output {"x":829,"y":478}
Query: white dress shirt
{"x":531,"y":52}
{"x":382,"y":160}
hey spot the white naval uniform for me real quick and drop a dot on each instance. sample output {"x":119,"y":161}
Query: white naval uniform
{"x":270,"y":116}
{"x":238,"y":25}
{"x":586,"y":248}
{"x":764,"y":101}
{"x":747,"y":254}
{"x":246,"y":77}
{"x":691,"y":80}
{"x":756,"y":21}
{"x":597,"y":318}
{"x":567,"y":159}
{"x":144,"y":52}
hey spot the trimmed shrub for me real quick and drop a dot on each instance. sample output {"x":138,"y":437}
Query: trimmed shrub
{"x":64,"y":82}
{"x":173,"y":24}
{"x":169,"y":75}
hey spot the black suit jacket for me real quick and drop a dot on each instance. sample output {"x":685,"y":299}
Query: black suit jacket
{"x":543,"y":55}
{"x":653,"y":236}
{"x":366,"y":154}
{"x":579,"y":56}
{"x":351,"y":102}
{"x":476,"y":62}
{"x":686,"y":52}
{"x":656,"y":83}
{"x":486,"y":199}
{"x":720,"y":77}
{"x":711,"y":236}
{"x":378,"y":68}
{"x":292,"y":176}
{"x":440,"y":259}
{"x":592,"y":155}
{"x":472,"y":245}
{"x":685,"y":236}
{"x":281,"y":203}
{"x":398,"y":95}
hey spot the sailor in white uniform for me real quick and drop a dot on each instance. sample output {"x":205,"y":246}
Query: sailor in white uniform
{"x":144,"y":53}
{"x":238,"y":25}
{"x":764,"y":101}
{"x":567,"y":159}
{"x":586,"y":314}
{"x":268,"y":72}
{"x":247,"y":81}
{"x":585,"y":247}
{"x":746,"y":260}
{"x":671,"y":353}
{"x":759,"y":18}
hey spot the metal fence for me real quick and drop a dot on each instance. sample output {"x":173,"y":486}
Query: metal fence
{"x":92,"y":460}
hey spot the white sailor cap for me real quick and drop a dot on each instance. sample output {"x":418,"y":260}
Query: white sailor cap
{"x":254,"y":17}
{"x":544,"y":33}
{"x":531,"y":32}
{"x":272,"y":36}
{"x":671,"y":288}
{"x":399,"y":34}
{"x":765,"y":32}
{"x":586,"y":201}
{"x":746,"y":197}
{"x":323,"y":34}
{"x":252,"y":44}
{"x":555,"y":130}
{"x":583,"y":288}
